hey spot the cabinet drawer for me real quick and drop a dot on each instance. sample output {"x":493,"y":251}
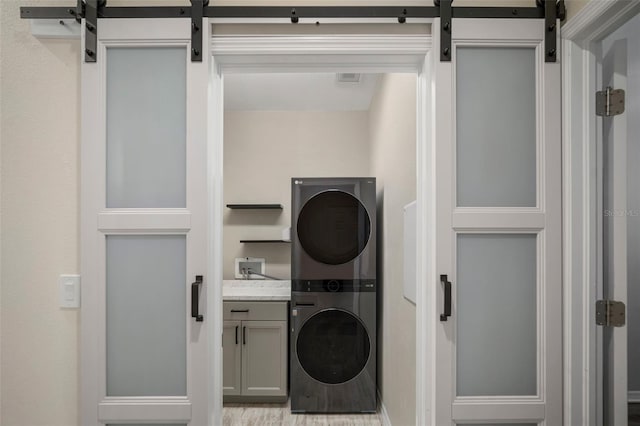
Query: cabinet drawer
{"x":255,"y":311}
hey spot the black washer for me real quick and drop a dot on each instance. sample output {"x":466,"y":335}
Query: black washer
{"x":333,"y":346}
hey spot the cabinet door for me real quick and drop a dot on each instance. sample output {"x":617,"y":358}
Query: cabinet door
{"x":264,"y":358}
{"x":232,"y":359}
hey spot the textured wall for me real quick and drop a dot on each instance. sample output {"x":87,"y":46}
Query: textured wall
{"x":392,"y":126}
{"x":39,"y":199}
{"x":574,"y":6}
{"x":263,"y":151}
{"x":1,"y":8}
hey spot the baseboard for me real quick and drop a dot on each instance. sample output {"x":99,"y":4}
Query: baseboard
{"x":384,"y":414}
{"x":634,"y":396}
{"x":240,"y":399}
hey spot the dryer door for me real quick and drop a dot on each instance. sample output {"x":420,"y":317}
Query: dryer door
{"x":333,"y":227}
{"x":333,"y":346}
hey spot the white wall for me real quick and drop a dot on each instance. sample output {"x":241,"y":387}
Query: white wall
{"x":263,"y":151}
{"x":574,"y":6}
{"x":39,"y":199}
{"x":392,"y":126}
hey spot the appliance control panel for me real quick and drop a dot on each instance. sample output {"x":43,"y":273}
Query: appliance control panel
{"x":333,"y":286}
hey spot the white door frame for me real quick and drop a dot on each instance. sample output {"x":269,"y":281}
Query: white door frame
{"x":581,"y":275}
{"x":329,"y":53}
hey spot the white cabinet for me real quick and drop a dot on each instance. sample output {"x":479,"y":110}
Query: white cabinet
{"x":255,"y":351}
{"x":231,"y":357}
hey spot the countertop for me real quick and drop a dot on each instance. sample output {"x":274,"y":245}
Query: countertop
{"x":266,"y":290}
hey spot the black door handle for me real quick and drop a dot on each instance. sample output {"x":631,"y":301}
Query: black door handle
{"x":447,"y":298}
{"x":239,"y":310}
{"x":244,"y":335}
{"x":195,"y":296}
{"x":236,"y":334}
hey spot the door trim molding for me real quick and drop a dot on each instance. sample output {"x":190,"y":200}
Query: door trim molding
{"x":598,"y":18}
{"x":384,"y":414}
{"x":327,"y":44}
{"x":582,"y":374}
{"x":361,"y":53}
{"x":300,"y":53}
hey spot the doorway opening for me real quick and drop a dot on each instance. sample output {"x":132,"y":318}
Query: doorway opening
{"x":600,"y":224}
{"x":619,"y":227}
{"x":279,"y":126}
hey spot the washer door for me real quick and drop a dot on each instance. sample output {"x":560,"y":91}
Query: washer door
{"x":333,"y":346}
{"x":333,"y":227}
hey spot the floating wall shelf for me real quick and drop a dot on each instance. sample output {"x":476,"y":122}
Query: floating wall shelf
{"x":255,"y":206}
{"x":258,"y":207}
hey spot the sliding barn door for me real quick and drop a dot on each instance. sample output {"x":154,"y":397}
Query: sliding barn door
{"x":144,"y":251}
{"x":498,"y":356}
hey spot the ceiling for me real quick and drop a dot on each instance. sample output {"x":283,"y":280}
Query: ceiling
{"x":297,"y":92}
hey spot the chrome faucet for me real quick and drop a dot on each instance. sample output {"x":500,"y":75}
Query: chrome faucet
{"x":247,"y":272}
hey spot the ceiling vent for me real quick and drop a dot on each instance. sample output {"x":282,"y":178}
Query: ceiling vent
{"x":348,"y":77}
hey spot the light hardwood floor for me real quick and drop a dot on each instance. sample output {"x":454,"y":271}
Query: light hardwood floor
{"x":280,"y":414}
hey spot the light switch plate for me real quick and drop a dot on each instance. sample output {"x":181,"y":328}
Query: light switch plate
{"x":69,"y":291}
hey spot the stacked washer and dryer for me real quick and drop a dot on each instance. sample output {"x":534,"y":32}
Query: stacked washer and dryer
{"x":333,"y":295}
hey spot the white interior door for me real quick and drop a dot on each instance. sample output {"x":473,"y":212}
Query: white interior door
{"x":143,"y":219}
{"x":620,"y":225}
{"x":498,"y":356}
